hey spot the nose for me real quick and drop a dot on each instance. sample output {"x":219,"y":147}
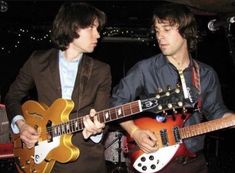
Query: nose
{"x":97,"y":34}
{"x":159,"y":35}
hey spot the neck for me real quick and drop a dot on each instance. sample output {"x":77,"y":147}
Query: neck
{"x":71,"y":54}
{"x":180,"y":61}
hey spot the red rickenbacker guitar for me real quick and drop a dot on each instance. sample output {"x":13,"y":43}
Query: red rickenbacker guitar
{"x":56,"y":129}
{"x":170,"y":135}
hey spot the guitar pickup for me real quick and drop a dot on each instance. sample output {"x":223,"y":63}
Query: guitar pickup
{"x":164,"y":137}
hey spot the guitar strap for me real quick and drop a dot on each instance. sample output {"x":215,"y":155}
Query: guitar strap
{"x":195,"y":81}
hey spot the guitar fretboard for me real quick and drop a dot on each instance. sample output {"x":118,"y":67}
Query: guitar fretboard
{"x":104,"y":116}
{"x":205,"y":127}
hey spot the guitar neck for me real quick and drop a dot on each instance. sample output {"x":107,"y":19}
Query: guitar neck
{"x":161,"y":101}
{"x":206,"y":127}
{"x":104,"y":116}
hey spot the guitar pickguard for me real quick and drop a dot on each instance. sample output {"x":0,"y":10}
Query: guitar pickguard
{"x":153,"y":162}
{"x":43,"y":148}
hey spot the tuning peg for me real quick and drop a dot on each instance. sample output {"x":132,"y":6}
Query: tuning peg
{"x":158,"y":96}
{"x":159,"y":107}
{"x":180,"y":104}
{"x":177,"y":85}
{"x":169,"y":105}
{"x":177,"y":90}
{"x":174,"y":110}
{"x":168,"y":93}
{"x":168,"y":87}
{"x":184,"y":110}
{"x":159,"y":90}
{"x":164,"y":113}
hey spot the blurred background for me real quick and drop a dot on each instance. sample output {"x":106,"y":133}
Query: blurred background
{"x":126,"y":39}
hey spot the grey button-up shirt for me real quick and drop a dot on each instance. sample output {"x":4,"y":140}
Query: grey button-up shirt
{"x":147,"y":76}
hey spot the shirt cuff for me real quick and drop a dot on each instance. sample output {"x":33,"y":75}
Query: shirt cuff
{"x":96,"y":138}
{"x":14,"y":127}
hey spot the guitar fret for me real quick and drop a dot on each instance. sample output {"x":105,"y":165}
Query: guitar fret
{"x":113,"y":115}
{"x":135,"y":107}
{"x":101,"y":117}
{"x":54,"y":131}
{"x":71,"y":126}
{"x":67,"y":127}
{"x":63,"y":128}
{"x":59,"y":130}
{"x":107,"y":115}
{"x":76,"y":125}
{"x":80,"y":124}
{"x":127,"y":109}
{"x":119,"y":112}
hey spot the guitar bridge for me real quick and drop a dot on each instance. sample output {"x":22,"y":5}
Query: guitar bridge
{"x":177,"y":134}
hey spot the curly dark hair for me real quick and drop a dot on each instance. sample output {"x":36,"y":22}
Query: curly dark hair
{"x":181,"y":15}
{"x":70,"y":18}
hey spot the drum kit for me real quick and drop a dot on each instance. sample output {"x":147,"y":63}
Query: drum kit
{"x":6,"y":147}
{"x":116,"y":150}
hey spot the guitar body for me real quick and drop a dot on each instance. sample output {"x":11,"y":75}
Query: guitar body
{"x":154,"y":162}
{"x":49,"y":149}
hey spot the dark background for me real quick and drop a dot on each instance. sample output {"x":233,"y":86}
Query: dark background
{"x":25,"y":26}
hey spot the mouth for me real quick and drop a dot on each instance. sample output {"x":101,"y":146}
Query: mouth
{"x":163,"y":45}
{"x":94,"y":44}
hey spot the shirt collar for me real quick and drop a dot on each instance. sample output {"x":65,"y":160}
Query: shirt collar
{"x":77,"y":59}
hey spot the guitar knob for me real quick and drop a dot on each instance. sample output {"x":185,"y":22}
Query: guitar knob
{"x":151,"y":157}
{"x":144,"y":168}
{"x":153,"y":167}
{"x":143,"y":159}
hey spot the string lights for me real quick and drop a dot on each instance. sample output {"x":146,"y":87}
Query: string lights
{"x":41,"y":35}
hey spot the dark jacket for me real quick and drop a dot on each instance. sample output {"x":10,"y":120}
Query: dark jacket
{"x":92,"y":90}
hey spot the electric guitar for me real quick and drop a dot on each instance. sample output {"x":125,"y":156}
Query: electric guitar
{"x":56,"y":129}
{"x":170,"y":135}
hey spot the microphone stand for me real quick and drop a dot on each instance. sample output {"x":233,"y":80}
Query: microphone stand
{"x":119,"y":168}
{"x":230,"y":42}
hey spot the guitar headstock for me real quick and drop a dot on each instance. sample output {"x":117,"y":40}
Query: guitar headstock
{"x":167,"y":100}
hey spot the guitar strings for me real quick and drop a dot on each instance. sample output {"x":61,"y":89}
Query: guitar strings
{"x":79,"y":120}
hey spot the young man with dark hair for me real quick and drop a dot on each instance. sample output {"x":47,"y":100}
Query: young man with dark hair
{"x":67,"y":72}
{"x":176,"y":33}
